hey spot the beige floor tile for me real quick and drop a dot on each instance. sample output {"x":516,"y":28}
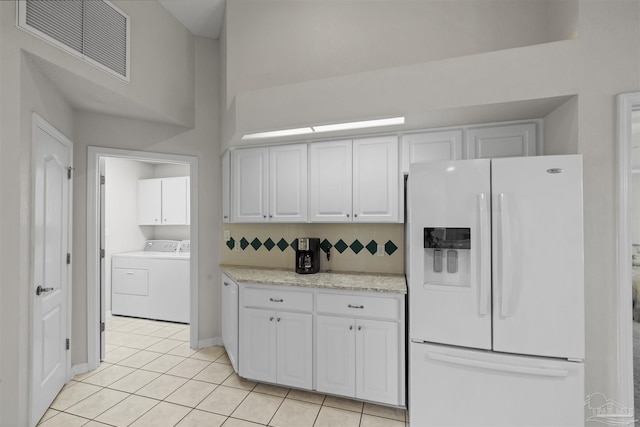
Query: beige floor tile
{"x":235,"y":381}
{"x":191,"y":393}
{"x":85,"y":375}
{"x":120,"y":353}
{"x":124,"y":339}
{"x":294,"y":413}
{"x":273,"y":390}
{"x":109,"y":375}
{"x":333,"y":417}
{"x":385,"y":411}
{"x":163,"y":363}
{"x":143,"y":342}
{"x":165,"y":332}
{"x":126,"y":326}
{"x":64,"y":420}
{"x":258,"y":408}
{"x":139,"y":359}
{"x":134,"y":381}
{"x":306,"y":396}
{"x":341,"y":403}
{"x":164,"y":346}
{"x":188,"y":368}
{"x":224,"y":359}
{"x":197,"y":418}
{"x":97,"y":403}
{"x":162,"y":415}
{"x":95,"y":424}
{"x":181,"y":335}
{"x":209,"y":353}
{"x":161,"y":387}
{"x":147,"y":329}
{"x":373,"y":421}
{"x":183,"y":350}
{"x":69,"y":396}
{"x":215,"y":373}
{"x":234,"y":422}
{"x":48,"y":414}
{"x":127,"y":411}
{"x":223,"y":400}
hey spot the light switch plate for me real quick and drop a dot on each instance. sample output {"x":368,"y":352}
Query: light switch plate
{"x":380,"y":251}
{"x":227,"y":235}
{"x":237,"y":247}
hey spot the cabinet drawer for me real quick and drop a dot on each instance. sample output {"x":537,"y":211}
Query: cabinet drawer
{"x":359,"y":305}
{"x":278,"y":299}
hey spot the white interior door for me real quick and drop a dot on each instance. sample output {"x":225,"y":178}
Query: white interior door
{"x":50,"y":364}
{"x":450,"y":290}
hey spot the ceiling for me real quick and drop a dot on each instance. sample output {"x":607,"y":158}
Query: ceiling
{"x":202,"y":17}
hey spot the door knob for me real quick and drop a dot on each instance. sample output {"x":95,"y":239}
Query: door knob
{"x":41,"y":290}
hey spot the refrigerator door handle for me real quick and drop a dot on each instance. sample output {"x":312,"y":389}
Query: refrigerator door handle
{"x":484,"y":250}
{"x":506,"y":279}
{"x":501,"y":367}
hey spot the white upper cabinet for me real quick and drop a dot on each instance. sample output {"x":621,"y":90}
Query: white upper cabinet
{"x":163,"y":201}
{"x":431,"y":146}
{"x":288,"y":183}
{"x":226,"y":175}
{"x":330,"y":181}
{"x":375,"y":179}
{"x":514,"y":140}
{"x":250,"y":185}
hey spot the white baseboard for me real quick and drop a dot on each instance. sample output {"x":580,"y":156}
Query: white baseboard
{"x":80,"y":368}
{"x":208,"y":342}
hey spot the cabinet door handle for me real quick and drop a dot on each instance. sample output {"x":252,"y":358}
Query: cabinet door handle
{"x":225,"y":217}
{"x":271,"y":319}
{"x":350,"y":327}
{"x":355,"y":215}
{"x":129,"y":273}
{"x":347,"y":215}
{"x":276,"y":300}
{"x":355,"y":306}
{"x":278,"y":319}
{"x":359,"y":328}
{"x":264,"y":216}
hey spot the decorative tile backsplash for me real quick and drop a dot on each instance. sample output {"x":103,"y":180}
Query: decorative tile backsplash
{"x":352,"y":247}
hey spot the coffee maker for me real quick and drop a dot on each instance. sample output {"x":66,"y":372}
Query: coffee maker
{"x":308,"y":255}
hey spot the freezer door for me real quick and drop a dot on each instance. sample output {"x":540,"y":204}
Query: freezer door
{"x":538,"y":272}
{"x":450,"y":252}
{"x":454,"y":387}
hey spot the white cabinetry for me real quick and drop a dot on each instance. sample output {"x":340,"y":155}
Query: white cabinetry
{"x":269,"y":184}
{"x":230,"y":319}
{"x":276,"y":343}
{"x":354,"y":180}
{"x":163,"y":201}
{"x":431,"y":146}
{"x":502,"y":141}
{"x":360,"y":347}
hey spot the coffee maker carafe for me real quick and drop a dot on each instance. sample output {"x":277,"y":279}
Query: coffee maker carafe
{"x":308,"y":255}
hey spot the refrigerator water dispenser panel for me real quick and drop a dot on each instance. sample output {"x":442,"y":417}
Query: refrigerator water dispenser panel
{"x":447,"y":255}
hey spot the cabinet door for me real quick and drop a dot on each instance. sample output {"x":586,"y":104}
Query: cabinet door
{"x":330,"y":181}
{"x":174,"y":201}
{"x":226,"y":171}
{"x":431,"y":146}
{"x":258,"y":345}
{"x":288,"y":183}
{"x":250,"y":185}
{"x":502,"y":141}
{"x":295,"y":350}
{"x":149,"y":201}
{"x":335,"y":355}
{"x":375,"y":179}
{"x":230,"y":319}
{"x":377,"y":364}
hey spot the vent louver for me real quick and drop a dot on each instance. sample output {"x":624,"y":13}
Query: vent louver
{"x":95,"y":30}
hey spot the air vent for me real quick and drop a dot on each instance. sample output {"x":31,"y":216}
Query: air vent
{"x":94,"y":30}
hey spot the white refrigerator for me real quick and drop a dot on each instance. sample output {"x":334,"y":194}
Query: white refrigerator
{"x":496,"y":292}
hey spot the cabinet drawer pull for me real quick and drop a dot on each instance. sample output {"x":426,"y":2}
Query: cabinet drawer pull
{"x":350,"y":327}
{"x":271,"y":319}
{"x":276,"y":300}
{"x":129,"y":273}
{"x":278,"y":319}
{"x":359,"y":328}
{"x":355,"y":306}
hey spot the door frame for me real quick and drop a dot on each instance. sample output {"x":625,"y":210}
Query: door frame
{"x":93,"y":240}
{"x":627,"y":103}
{"x":38,"y":122}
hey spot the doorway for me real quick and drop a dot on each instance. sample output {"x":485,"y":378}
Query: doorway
{"x":628,"y":108}
{"x":100,"y":230}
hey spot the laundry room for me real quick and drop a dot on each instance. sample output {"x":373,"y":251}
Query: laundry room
{"x":146,"y":235}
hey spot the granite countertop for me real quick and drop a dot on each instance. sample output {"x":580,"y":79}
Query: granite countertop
{"x":375,"y":282}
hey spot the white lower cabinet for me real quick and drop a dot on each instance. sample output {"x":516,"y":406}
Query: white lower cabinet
{"x":230,"y":319}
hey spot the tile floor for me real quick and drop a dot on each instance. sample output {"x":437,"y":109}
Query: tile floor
{"x":151,"y":377}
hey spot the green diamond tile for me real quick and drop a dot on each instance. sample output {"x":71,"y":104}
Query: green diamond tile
{"x":325,"y":245}
{"x":356,"y":246}
{"x":269,"y":244}
{"x":282,"y":244}
{"x":244,"y":243}
{"x":231,"y":243}
{"x":372,"y":247}
{"x":255,"y":243}
{"x":389,"y":247}
{"x":341,"y":246}
{"x":294,"y":244}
